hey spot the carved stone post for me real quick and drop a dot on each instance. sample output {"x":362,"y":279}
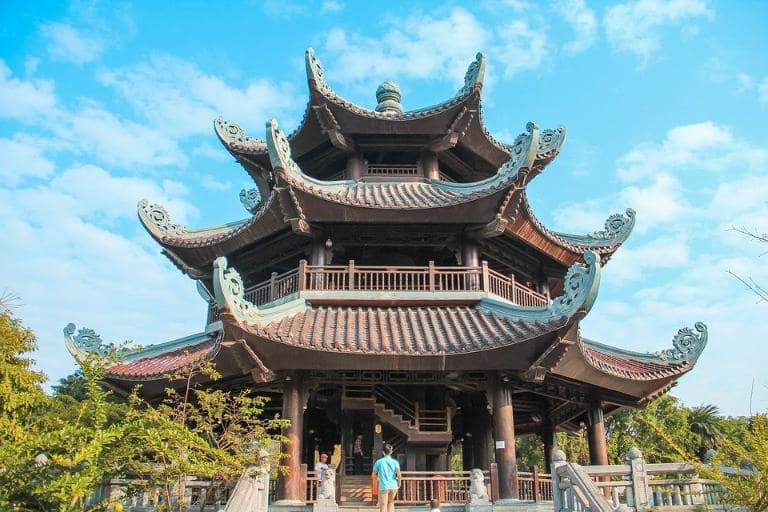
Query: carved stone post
{"x":558,"y":460}
{"x":504,"y":435}
{"x":290,"y":485}
{"x":639,"y":477}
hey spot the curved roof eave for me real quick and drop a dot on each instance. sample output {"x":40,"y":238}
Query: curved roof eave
{"x":157,"y":221}
{"x":531,"y":151}
{"x":144,"y":362}
{"x":687,"y":345}
{"x":618,"y":227}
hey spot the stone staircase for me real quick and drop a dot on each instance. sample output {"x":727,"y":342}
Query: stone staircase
{"x":356,"y":491}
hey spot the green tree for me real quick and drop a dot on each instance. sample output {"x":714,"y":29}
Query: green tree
{"x":705,"y":422}
{"x":750,"y":488}
{"x":73,"y":385}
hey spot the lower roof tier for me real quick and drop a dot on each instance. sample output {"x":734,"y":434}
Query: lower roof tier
{"x":530,"y":343}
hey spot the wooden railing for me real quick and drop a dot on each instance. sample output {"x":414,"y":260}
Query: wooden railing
{"x":534,"y":486}
{"x":368,"y":278}
{"x":391,"y":170}
{"x":420,"y":487}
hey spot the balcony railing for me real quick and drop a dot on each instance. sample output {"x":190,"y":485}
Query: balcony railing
{"x":430,"y":279}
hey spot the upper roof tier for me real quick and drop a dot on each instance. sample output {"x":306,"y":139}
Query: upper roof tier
{"x":294,"y":190}
{"x":332,"y":127}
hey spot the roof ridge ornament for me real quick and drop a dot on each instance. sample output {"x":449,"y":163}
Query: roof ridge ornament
{"x":280,"y":150}
{"x":232,"y":135}
{"x":581,"y":284}
{"x":474,"y":76}
{"x":687,"y":345}
{"x":388,"y":96}
{"x":251,"y":200}
{"x":616,"y":226}
{"x":157,"y":219}
{"x":580,"y":287}
{"x":316,"y":73}
{"x":550,"y":142}
{"x":229,"y":292}
{"x":87,"y":342}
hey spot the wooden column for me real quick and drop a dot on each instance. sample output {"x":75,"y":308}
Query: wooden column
{"x":355,"y":166}
{"x":504,"y":436}
{"x":318,"y":252}
{"x":470,"y":253}
{"x":550,"y":445}
{"x":598,"y":447}
{"x":430,"y":165}
{"x":291,"y":486}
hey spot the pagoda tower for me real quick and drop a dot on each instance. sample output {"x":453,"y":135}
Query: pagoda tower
{"x":390,"y":280}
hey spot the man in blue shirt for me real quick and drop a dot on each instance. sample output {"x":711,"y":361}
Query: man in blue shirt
{"x":387,"y":470}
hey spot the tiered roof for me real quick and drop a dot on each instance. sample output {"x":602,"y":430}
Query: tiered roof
{"x":477,"y":328}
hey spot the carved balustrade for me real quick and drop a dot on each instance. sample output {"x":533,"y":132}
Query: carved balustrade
{"x":429,"y":279}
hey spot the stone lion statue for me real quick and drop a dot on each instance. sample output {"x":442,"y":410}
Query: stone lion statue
{"x":477,"y":489}
{"x":327,"y":489}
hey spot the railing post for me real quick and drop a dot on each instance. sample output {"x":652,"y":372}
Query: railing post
{"x":272,"y":280}
{"x":416,"y":414}
{"x":302,"y":274}
{"x":558,"y":461}
{"x":351,"y":274}
{"x":486,"y":285}
{"x":303,"y":481}
{"x":494,"y":477}
{"x":448,"y":426}
{"x":431,"y":276}
{"x":536,"y":493}
{"x":639,"y":479}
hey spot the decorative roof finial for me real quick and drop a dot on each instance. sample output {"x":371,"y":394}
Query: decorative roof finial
{"x":388,"y":95}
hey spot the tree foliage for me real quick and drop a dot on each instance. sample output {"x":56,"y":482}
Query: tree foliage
{"x":56,"y":450}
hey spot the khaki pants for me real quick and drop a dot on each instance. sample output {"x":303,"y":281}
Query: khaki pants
{"x":387,"y":500}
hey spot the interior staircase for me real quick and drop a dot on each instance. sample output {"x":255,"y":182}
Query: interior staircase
{"x":397,"y":411}
{"x":356,"y":491}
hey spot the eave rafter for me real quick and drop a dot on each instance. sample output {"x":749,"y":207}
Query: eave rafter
{"x":331,"y":127}
{"x":549,"y":143}
{"x":455,"y":132}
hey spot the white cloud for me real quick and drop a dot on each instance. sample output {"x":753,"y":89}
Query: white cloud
{"x":762,"y":91}
{"x":70,"y":265}
{"x":179,"y":98}
{"x":208,"y":182}
{"x":24,"y":100}
{"x":701,"y":146}
{"x":98,"y":194}
{"x":635,"y":26}
{"x":520,"y":48}
{"x":419,"y":47}
{"x":330,"y":6}
{"x":635,"y":263}
{"x":23,"y":158}
{"x":745,"y":82}
{"x":96,"y":131}
{"x":582,"y":20}
{"x":66,"y":43}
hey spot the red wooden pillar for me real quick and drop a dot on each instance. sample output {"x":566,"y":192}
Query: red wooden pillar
{"x":504,"y":436}
{"x":291,"y":485}
{"x":598,"y":447}
{"x":550,"y":445}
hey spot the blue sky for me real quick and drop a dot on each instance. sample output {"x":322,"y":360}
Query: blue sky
{"x":665,"y":101}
